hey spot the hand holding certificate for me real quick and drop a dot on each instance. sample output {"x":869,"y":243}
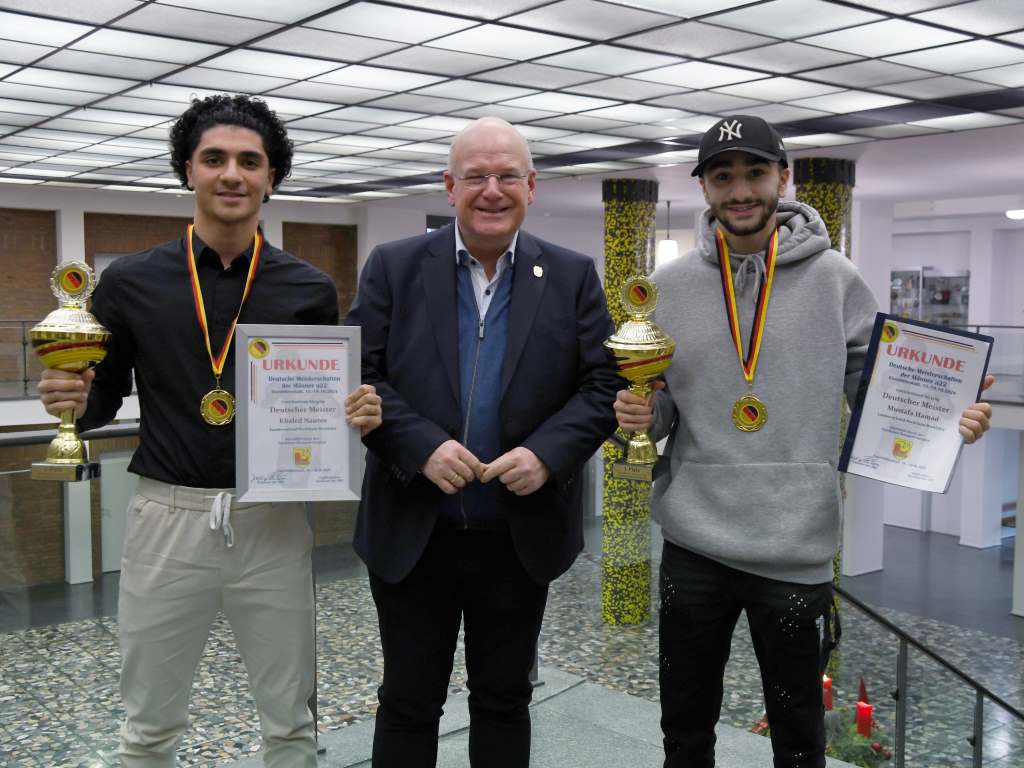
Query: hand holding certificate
{"x":906,"y":424}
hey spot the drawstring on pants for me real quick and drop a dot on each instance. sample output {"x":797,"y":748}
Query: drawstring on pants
{"x":220,"y":517}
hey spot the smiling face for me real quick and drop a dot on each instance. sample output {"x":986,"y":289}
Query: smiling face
{"x":230,"y":174}
{"x":743,"y":192}
{"x":489,"y":215}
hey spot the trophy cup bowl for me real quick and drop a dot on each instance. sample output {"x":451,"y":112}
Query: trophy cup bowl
{"x":69,"y":339}
{"x":642,"y":352}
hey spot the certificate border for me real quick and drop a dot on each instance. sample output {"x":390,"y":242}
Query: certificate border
{"x":869,"y":369}
{"x":243,"y":333}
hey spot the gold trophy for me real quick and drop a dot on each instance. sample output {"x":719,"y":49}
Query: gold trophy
{"x":642,"y":351}
{"x":69,"y":339}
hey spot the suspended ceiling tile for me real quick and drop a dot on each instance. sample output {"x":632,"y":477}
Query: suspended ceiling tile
{"x":553,"y":101}
{"x":150,"y":106}
{"x":267,"y":10}
{"x":300,"y":107}
{"x":474,"y":90}
{"x":695,"y":124}
{"x":271,"y":64}
{"x":624,"y":89}
{"x":422,"y":58}
{"x":400,"y":132}
{"x":638,"y":113}
{"x":330,"y":45}
{"x":30,"y":29}
{"x":594,"y":140}
{"x":1015,"y":38}
{"x":55,"y":79}
{"x":197,"y":25}
{"x":895,"y":131}
{"x":580,"y":123}
{"x":135,"y":44}
{"x":884,"y":38}
{"x":31,"y":107}
{"x":866,"y":74}
{"x":378,"y":78}
{"x":483,"y":9}
{"x":699,"y":74}
{"x":708,"y":102}
{"x":688,"y":8}
{"x":793,"y":18}
{"x":337,"y":94}
{"x":416,"y":103}
{"x":646,"y":131}
{"x":963,"y":57}
{"x":221,"y":80}
{"x":122,"y":118}
{"x":22,"y":53}
{"x":488,"y":38}
{"x":609,"y":60}
{"x":984,"y":17}
{"x":695,"y":39}
{"x":1018,"y":112}
{"x":848,"y":101}
{"x":589,"y":18}
{"x":539,"y":133}
{"x":94,"y":11}
{"x":390,"y":23}
{"x":967,"y":122}
{"x":9,"y":90}
{"x":786,"y":58}
{"x":783,"y":113}
{"x":824,"y":140}
{"x":537,"y":76}
{"x":512,"y":114}
{"x":104,"y":64}
{"x":1008,"y":77}
{"x":371,"y":115}
{"x":440,"y":123}
{"x":906,"y":6}
{"x":779,"y":89}
{"x":936,"y":87}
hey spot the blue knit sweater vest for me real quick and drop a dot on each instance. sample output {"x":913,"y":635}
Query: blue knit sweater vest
{"x":481,"y":358}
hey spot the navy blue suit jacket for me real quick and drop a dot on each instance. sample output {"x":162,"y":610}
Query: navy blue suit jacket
{"x":557,"y":391}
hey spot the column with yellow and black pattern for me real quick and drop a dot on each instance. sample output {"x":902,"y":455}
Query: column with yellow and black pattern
{"x":629,"y":208}
{"x":826,"y":184}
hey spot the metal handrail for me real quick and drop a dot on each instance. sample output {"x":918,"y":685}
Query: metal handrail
{"x":906,"y":640}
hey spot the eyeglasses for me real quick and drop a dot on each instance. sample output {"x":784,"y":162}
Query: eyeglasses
{"x":504,"y":179}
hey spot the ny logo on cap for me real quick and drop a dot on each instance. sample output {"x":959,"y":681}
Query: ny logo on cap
{"x":730,"y":130}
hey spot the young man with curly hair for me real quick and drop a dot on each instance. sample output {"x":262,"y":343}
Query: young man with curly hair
{"x":188,"y":551}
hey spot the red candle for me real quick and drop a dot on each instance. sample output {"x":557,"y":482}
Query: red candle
{"x":826,"y":692}
{"x":864,"y":711}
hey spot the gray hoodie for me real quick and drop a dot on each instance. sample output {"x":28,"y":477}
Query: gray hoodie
{"x":764,"y":502}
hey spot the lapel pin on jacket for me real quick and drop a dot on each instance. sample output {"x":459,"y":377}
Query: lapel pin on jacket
{"x":538,"y":270}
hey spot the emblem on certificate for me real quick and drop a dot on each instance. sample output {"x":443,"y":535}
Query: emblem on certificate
{"x":69,"y":339}
{"x":642,"y":352}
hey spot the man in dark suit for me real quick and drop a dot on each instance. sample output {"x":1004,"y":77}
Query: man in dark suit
{"x":485,"y":345}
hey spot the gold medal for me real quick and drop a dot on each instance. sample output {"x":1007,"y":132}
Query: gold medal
{"x":217,"y":407}
{"x":749,"y":413}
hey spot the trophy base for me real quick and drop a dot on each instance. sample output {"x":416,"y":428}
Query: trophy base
{"x":640,"y":473}
{"x":65,"y":473}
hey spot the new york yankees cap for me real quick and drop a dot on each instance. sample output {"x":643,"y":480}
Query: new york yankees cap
{"x":744,"y":133}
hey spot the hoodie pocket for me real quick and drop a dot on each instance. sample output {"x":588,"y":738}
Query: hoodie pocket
{"x":782,"y":514}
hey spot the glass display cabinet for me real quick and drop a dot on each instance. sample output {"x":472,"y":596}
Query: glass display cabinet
{"x":930,"y":295}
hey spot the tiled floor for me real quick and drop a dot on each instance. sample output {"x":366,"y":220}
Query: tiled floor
{"x":59,"y":704}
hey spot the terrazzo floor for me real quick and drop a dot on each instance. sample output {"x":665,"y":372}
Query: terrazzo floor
{"x":60,"y":706}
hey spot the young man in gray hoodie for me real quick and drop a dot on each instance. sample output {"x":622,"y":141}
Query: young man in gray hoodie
{"x":770,"y":323}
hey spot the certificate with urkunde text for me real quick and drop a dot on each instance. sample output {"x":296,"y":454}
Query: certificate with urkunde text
{"x":918,"y":379}
{"x":292,"y":441}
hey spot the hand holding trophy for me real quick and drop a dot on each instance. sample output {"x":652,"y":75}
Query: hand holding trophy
{"x":69,"y":339}
{"x":642,"y":352}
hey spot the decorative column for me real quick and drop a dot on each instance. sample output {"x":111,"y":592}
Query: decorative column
{"x":826,"y":184}
{"x":629,"y":208}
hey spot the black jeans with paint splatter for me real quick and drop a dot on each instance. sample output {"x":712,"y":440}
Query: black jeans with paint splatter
{"x":701,"y":601}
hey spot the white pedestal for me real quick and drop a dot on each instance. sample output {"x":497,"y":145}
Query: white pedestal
{"x":863,"y":526}
{"x":77,"y":533}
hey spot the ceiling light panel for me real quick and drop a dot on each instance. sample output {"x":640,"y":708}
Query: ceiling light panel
{"x":609,"y":60}
{"x":779,"y":89}
{"x":936,"y":87}
{"x":491,"y":38}
{"x":150,"y":106}
{"x":303,"y":107}
{"x":692,"y":38}
{"x":966,"y":122}
{"x":647,"y":131}
{"x":786,"y":58}
{"x":371,"y":115}
{"x":581,"y":123}
{"x":895,"y":131}
{"x":17,"y":118}
{"x":440,"y":123}
{"x":783,"y":113}
{"x":1016,"y":38}
{"x":474,"y":90}
{"x":624,"y":89}
{"x":793,"y":18}
{"x":699,"y":74}
{"x":29,"y":29}
{"x":884,"y":38}
{"x":683,"y":7}
{"x":135,"y":44}
{"x":708,"y":102}
{"x":103,"y":64}
{"x":849,"y":101}
{"x":906,"y":6}
{"x":55,"y":79}
{"x":823,"y":140}
{"x":1008,"y":77}
{"x":116,"y":118}
{"x":95,"y":11}
{"x":639,"y":113}
{"x":221,"y":80}
{"x":512,"y":114}
{"x":330,"y":45}
{"x":559,"y":102}
{"x":400,"y":132}
{"x":31,"y":107}
{"x":963,"y":57}
{"x":589,"y":18}
{"x":422,"y":58}
{"x":866,"y":74}
{"x":428,"y":104}
{"x":336,"y":94}
{"x":538,"y":76}
{"x":10,"y":90}
{"x":271,"y":64}
{"x":984,"y":17}
{"x":389,"y":23}
{"x":22,"y":53}
{"x":211,"y":27}
{"x":267,"y":10}
{"x":593,"y":140}
{"x":90,"y":126}
{"x":538,"y":133}
{"x":377,"y":78}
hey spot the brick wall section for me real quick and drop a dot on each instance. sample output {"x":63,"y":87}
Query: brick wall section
{"x":31,"y":521}
{"x":121,"y":233}
{"x":330,"y":247}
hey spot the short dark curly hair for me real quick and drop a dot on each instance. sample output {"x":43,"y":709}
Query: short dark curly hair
{"x":224,"y":109}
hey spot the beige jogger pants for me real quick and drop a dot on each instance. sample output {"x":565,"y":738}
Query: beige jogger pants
{"x":176,"y":574}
